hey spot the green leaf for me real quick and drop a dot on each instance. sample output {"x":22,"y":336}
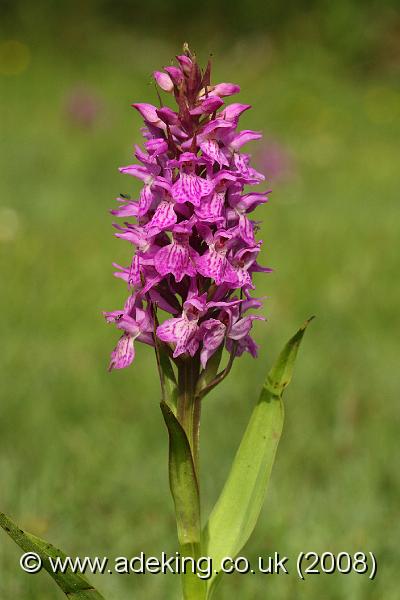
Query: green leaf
{"x":236,"y":512}
{"x":185,"y":492}
{"x":75,"y":586}
{"x":183,"y":480}
{"x":170,"y":387}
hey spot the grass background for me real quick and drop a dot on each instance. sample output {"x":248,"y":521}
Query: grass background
{"x":83,"y":453}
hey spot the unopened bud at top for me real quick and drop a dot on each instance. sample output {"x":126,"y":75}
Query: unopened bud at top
{"x":164,"y":81}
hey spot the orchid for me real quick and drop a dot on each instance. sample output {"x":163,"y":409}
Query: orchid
{"x":135,"y":324}
{"x":192,"y":217}
{"x":195,"y":252}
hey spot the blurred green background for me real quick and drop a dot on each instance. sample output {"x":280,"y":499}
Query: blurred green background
{"x":83,"y":453}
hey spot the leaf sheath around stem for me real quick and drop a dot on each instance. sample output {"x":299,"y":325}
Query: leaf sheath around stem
{"x":185,"y":493}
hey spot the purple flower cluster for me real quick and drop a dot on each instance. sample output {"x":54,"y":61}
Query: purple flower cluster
{"x":195,"y":247}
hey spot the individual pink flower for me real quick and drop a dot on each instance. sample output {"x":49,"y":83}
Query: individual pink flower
{"x":136,"y":323}
{"x":229,"y":327}
{"x":214,"y":263}
{"x":185,"y":331}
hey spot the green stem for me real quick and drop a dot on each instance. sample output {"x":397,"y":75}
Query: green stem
{"x":193,"y":588}
{"x":189,"y":407}
{"x":188,"y":415}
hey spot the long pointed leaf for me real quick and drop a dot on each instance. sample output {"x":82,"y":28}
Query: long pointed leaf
{"x":238,"y":507}
{"x":75,"y":586}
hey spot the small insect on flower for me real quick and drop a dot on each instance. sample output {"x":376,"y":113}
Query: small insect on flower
{"x":195,"y":247}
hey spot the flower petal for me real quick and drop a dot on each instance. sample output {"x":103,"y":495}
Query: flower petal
{"x":138,"y":171}
{"x":215,"y":265}
{"x":243,"y":137}
{"x":164,"y":217}
{"x":145,"y":200}
{"x":172,"y":329}
{"x":247,"y":344}
{"x":246,"y":230}
{"x":149,"y":114}
{"x":242,"y":327}
{"x":211,"y":208}
{"x":214,"y":334}
{"x":233,"y":111}
{"x":190,"y":188}
{"x":207,"y":106}
{"x":126,"y":209}
{"x":213,"y":151}
{"x":129,"y":325}
{"x":123,"y":353}
{"x":225,"y":89}
{"x":174,"y":258}
{"x":179,"y":331}
{"x":175,"y":73}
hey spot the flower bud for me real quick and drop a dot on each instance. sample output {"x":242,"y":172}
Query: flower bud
{"x":225,"y":89}
{"x":175,"y":73}
{"x":164,"y":81}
